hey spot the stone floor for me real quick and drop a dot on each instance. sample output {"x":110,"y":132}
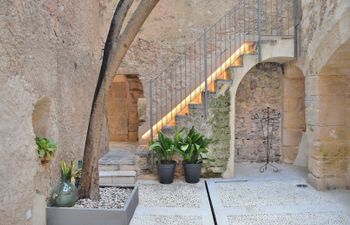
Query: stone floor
{"x":177,"y":204}
{"x":251,"y":198}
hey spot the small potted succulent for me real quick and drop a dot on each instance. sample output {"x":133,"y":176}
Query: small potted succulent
{"x":46,"y":148}
{"x":193,"y":148}
{"x":164,"y":150}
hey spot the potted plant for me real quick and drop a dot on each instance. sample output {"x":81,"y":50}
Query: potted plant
{"x":193,"y":148}
{"x":164,"y":149}
{"x":46,"y":148}
{"x":66,"y":194}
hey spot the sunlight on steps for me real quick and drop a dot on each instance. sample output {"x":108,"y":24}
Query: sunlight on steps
{"x":195,"y":95}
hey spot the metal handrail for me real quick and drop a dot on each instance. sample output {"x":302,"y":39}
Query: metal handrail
{"x":221,"y":45}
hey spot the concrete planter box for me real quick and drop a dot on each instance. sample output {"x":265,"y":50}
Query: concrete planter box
{"x":78,"y":216}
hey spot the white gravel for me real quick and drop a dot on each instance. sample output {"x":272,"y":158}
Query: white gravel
{"x":166,"y":220}
{"x":321,"y":218}
{"x":273,"y":193}
{"x":173,"y":195}
{"x":111,"y":198}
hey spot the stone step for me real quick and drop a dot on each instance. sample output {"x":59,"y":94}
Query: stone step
{"x":118,"y":160}
{"x":117,"y":178}
{"x":168,"y":130}
{"x":117,"y":167}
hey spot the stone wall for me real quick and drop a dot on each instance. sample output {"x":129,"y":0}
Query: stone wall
{"x":215,"y":127}
{"x":50,"y":56}
{"x":260,"y":88}
{"x":325,"y":50}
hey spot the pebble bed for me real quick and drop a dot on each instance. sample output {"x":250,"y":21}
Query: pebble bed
{"x":174,"y":195}
{"x":163,"y":219}
{"x":111,"y":198}
{"x":321,"y":218}
{"x":273,"y":193}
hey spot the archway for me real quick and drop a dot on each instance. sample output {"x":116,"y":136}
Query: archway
{"x":328,"y":121}
{"x":123,"y":119}
{"x":260,"y":88}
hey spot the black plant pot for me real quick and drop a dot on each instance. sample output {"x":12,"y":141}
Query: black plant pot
{"x":192,"y":172}
{"x":166,"y":172}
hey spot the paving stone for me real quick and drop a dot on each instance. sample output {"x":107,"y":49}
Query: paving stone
{"x":321,"y":218}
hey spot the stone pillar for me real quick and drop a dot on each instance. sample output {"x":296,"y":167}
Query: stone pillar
{"x":293,"y":107}
{"x":327,"y":114}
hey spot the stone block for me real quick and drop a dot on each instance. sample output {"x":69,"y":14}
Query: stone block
{"x":327,"y":133}
{"x":294,"y":104}
{"x":133,"y":136}
{"x":291,"y":137}
{"x":293,"y":87}
{"x":289,"y":153}
{"x":133,"y":117}
{"x":142,"y":109}
{"x":326,"y":110}
{"x":116,"y":178}
{"x":328,"y":167}
{"x":329,"y":150}
{"x":294,"y":120}
{"x":325,"y":85}
{"x":326,"y":183}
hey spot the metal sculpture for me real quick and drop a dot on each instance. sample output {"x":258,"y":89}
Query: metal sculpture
{"x":267,"y":119}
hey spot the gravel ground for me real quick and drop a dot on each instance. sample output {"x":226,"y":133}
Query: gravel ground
{"x":111,"y":198}
{"x":173,"y":195}
{"x":321,"y":218}
{"x":166,"y":220}
{"x":273,"y":193}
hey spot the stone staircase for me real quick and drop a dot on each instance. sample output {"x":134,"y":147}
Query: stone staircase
{"x":194,"y":112}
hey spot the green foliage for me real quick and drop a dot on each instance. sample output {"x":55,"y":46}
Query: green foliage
{"x":77,"y":172}
{"x":46,"y":147}
{"x":164,"y":148}
{"x":67,"y":172}
{"x":193,"y":147}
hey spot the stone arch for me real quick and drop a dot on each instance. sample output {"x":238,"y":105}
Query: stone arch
{"x":325,"y":44}
{"x":276,"y":51}
{"x":293,"y":116}
{"x":328,"y":121}
{"x":260,"y":88}
{"x":123,"y":116}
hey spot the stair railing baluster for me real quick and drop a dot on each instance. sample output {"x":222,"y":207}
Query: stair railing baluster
{"x":205,"y":51}
{"x":259,"y":30}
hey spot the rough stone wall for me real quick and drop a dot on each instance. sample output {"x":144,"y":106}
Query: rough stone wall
{"x":260,"y":88}
{"x":50,"y":55}
{"x":171,"y":27}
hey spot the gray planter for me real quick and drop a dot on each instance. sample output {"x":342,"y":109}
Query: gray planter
{"x":166,"y":172}
{"x":78,"y":216}
{"x":192,"y":172}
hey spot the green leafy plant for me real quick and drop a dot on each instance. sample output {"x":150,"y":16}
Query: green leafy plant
{"x":193,"y":147}
{"x":164,"y":148}
{"x":46,"y":147}
{"x":68,"y":172}
{"x":77,"y":172}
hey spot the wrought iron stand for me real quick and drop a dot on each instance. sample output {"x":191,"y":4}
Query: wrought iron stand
{"x":267,"y":118}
